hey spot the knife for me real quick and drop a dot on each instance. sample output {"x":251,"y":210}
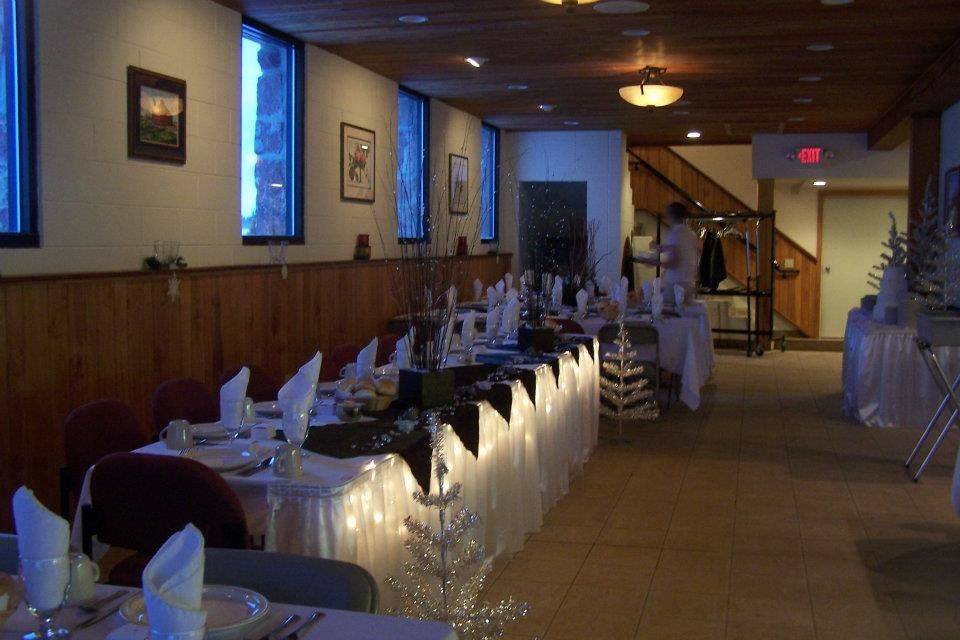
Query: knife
{"x":289,"y":620}
{"x":314,"y":618}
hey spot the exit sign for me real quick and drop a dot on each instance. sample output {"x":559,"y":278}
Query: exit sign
{"x":810,"y":155}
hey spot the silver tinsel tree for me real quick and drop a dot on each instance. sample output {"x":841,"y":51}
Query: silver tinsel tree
{"x":927,"y":259}
{"x":627,"y":394}
{"x":894,"y":256}
{"x":442,"y":580}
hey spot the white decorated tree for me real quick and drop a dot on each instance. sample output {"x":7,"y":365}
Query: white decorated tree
{"x":926,"y":259}
{"x":627,"y":393}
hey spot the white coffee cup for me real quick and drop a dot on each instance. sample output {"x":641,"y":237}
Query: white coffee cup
{"x":349,"y":370}
{"x":84,"y":574}
{"x":287,"y":461}
{"x":177,"y":435}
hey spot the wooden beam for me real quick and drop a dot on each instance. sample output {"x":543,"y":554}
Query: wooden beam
{"x":933,"y":91}
{"x":924,"y":162}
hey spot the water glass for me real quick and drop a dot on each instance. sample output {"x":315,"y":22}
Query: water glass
{"x":232,"y":414}
{"x":295,"y":425}
{"x":45,"y":586}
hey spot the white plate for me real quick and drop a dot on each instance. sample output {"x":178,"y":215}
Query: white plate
{"x":326,"y":388}
{"x":268,"y":409}
{"x":209,"y":430}
{"x":230,"y":610}
{"x":222,"y":458}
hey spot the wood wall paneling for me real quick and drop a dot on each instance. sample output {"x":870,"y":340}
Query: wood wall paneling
{"x":69,"y":340}
{"x":924,"y":162}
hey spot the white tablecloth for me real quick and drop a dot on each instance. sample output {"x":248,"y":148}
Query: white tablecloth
{"x":342,"y":625}
{"x":686,"y":347}
{"x":353,"y":509}
{"x":885,"y":381}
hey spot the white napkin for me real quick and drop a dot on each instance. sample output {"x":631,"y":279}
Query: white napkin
{"x":403,"y":352}
{"x":468,"y":330}
{"x":511,"y":294}
{"x":311,"y":368}
{"x":501,"y":288}
{"x":492,"y":297}
{"x":173,"y":584}
{"x":477,"y":290}
{"x":657,"y":288}
{"x":678,"y":294}
{"x":367,"y":360}
{"x":41,"y":534}
{"x":236,"y":387}
{"x":508,"y":280}
{"x":591,"y":288}
{"x":511,"y":316}
{"x":582,"y":298}
{"x":604,"y":285}
{"x":647,"y":291}
{"x":493,"y":321}
{"x":297,"y":393}
{"x":656,"y":304}
{"x":556,"y":296}
{"x":625,"y":284}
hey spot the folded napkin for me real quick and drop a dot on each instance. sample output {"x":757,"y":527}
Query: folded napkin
{"x":41,"y":534}
{"x":403,"y":352}
{"x":591,"y":288}
{"x":511,"y":294}
{"x":477,"y":290}
{"x":647,"y":291}
{"x":493,"y":321}
{"x":492,"y":297}
{"x":625,"y":283}
{"x":508,"y":280}
{"x":468,"y":330}
{"x":657,"y":285}
{"x":678,"y":295}
{"x":297,"y":393}
{"x":367,"y":360}
{"x":556,"y":295}
{"x":582,"y":298}
{"x":656,"y":305}
{"x":236,"y":387}
{"x":312,"y":368}
{"x":510,"y":319}
{"x":173,"y":585}
{"x":605,"y":287}
{"x":501,"y":288}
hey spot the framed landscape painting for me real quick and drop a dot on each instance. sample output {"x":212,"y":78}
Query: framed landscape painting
{"x":156,"y":116}
{"x":357,"y":163}
{"x":459,"y":188}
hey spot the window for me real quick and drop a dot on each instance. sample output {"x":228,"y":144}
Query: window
{"x":490,"y":184}
{"x":18,"y":197}
{"x":412,"y":162}
{"x":271,"y":136}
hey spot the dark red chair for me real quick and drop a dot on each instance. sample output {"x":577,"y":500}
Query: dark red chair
{"x":262,"y":386}
{"x":91,"y":432}
{"x":137,"y":501}
{"x":386,"y":345}
{"x":568,"y":326}
{"x":183,"y":399}
{"x":340,"y":355}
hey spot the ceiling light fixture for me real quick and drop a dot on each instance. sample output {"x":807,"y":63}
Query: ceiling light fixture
{"x":809,"y":78}
{"x":547,"y":108}
{"x":651,"y":92}
{"x":518,"y":87}
{"x":693,"y":135}
{"x":820,"y":183}
{"x":570,"y":5}
{"x":475,"y":61}
{"x":819,"y":46}
{"x":621,"y":7}
{"x":635,"y":33}
{"x":413,"y":19}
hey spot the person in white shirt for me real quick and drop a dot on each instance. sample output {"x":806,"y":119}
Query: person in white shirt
{"x":678,"y":255}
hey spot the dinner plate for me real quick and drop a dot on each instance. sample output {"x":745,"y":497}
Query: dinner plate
{"x":209,"y":431}
{"x":267,"y":409}
{"x":222,"y":458}
{"x":230,"y":610}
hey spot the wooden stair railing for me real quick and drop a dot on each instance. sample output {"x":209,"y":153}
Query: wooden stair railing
{"x":659,"y":175}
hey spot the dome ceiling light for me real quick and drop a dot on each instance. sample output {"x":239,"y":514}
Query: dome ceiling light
{"x":569,"y":5}
{"x":651,"y":92}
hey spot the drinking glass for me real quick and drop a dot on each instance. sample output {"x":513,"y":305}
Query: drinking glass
{"x":232,"y":414}
{"x":45,"y":585}
{"x":296,"y":422}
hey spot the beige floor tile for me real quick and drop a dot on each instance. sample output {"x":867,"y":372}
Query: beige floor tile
{"x":680,"y":629}
{"x":617,"y":566}
{"x":694,"y":571}
{"x":583,"y":534}
{"x":663,"y":607}
{"x":544,"y":600}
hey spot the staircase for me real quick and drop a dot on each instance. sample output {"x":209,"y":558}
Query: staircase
{"x":660,"y":176}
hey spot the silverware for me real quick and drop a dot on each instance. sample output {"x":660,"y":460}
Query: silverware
{"x":286,"y":622}
{"x":94,"y":607}
{"x":314,"y":618}
{"x":257,"y":468}
{"x":89,"y":622}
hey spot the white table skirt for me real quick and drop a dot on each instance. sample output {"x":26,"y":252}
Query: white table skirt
{"x":342,"y":625}
{"x":885,"y":381}
{"x":353,"y":509}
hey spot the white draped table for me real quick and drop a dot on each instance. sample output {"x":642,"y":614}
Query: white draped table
{"x":353,"y":509}
{"x":885,"y":381}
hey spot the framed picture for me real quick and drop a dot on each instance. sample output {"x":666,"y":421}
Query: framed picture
{"x":358,"y":148}
{"x":156,"y":116}
{"x":951,"y":202}
{"x":459,"y":188}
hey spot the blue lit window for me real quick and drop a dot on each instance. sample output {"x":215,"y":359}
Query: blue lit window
{"x":412,"y":162}
{"x":490,"y":187}
{"x":18,"y":197}
{"x":271,"y":136}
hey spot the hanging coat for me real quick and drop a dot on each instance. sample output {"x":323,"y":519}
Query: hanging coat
{"x":626,"y":265}
{"x":713,"y":270}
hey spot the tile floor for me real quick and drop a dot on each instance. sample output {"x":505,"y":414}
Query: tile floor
{"x":764,"y":515}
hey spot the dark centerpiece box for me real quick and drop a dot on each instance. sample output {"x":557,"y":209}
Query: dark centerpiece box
{"x":426,"y":389}
{"x":536,"y":338}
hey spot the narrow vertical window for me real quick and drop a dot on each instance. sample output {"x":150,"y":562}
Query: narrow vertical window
{"x":412,"y":162}
{"x":490,"y":184}
{"x":18,"y":194}
{"x":271,"y":136}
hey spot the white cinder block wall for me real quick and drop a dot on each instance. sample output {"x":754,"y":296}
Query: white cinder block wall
{"x":101,"y":211}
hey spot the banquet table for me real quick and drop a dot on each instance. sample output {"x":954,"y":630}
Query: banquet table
{"x":885,"y":381}
{"x":353,"y":509}
{"x":342,"y":625}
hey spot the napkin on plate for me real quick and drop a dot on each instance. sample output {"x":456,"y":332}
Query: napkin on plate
{"x":511,"y":316}
{"x":493,"y":321}
{"x":477,"y":290}
{"x":312,"y":368}
{"x":492,"y":297}
{"x":582,"y":298}
{"x":508,"y":280}
{"x":468,"y":330}
{"x":367,"y":360}
{"x":656,"y":304}
{"x":647,"y":291}
{"x":678,"y":295}
{"x":501,"y":289}
{"x":556,"y":295}
{"x":173,"y":585}
{"x":232,"y":392}
{"x":403,"y":351}
{"x":297,"y":393}
{"x":511,"y":294}
{"x":41,"y":535}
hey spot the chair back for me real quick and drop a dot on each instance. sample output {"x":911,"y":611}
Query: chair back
{"x":569,"y":326}
{"x":262,"y":386}
{"x":299,"y":580}
{"x":137,"y":501}
{"x":95,"y":430}
{"x":386,"y":345}
{"x":183,"y":399}
{"x":638,"y":334}
{"x":9,"y":554}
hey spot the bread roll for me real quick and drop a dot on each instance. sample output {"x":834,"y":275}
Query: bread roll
{"x":386,"y":387}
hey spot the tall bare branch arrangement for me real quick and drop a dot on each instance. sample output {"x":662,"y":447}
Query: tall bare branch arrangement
{"x":583,"y":252}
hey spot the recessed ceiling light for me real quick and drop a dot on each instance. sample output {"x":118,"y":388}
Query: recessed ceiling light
{"x":693,"y":135}
{"x":835,"y":3}
{"x":636,"y":33}
{"x":819,"y":183}
{"x":820,"y":46}
{"x":809,"y":78}
{"x":680,"y":112}
{"x":621,"y":7}
{"x":413,"y":19}
{"x":547,"y":108}
{"x":475,"y":61}
{"x":796,"y":119}
{"x":518,"y":87}
{"x":803,"y":100}
{"x":572,"y":123}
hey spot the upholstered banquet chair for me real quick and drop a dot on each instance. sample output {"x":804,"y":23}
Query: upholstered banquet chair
{"x":340,"y":355}
{"x":262,"y":386}
{"x":183,"y":399}
{"x":137,"y":501}
{"x":309,"y":582}
{"x":386,"y":345}
{"x":91,"y":432}
{"x":568,"y":326}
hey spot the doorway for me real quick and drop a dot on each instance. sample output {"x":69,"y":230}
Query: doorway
{"x":852,"y":226}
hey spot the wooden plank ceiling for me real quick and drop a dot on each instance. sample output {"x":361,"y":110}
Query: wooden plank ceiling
{"x":739,"y":61}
